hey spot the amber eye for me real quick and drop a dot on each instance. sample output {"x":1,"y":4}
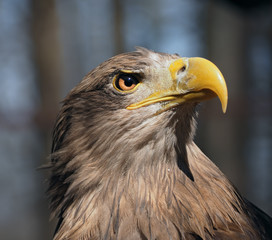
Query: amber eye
{"x":126,"y":82}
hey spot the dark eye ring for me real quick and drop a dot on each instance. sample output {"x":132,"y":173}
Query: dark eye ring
{"x":126,"y":82}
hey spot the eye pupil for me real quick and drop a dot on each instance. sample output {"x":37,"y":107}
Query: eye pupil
{"x":126,"y":82}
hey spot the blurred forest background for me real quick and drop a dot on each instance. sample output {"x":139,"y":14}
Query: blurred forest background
{"x":46,"y":47}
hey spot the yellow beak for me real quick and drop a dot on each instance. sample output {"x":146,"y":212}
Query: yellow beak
{"x":190,"y":80}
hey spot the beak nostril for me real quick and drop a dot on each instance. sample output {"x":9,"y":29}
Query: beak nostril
{"x":183,"y":68}
{"x":176,"y":67}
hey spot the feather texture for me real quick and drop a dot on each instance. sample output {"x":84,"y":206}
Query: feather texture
{"x":119,"y":174}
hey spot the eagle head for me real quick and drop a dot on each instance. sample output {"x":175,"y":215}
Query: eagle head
{"x":123,"y":162}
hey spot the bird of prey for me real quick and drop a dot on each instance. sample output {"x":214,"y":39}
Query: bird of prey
{"x":124,"y":164}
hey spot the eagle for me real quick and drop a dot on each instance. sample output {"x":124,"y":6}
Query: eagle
{"x":124,"y":164}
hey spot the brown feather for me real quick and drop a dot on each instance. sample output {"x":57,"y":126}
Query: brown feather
{"x":135,"y":175}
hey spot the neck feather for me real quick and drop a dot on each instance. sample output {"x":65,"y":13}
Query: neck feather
{"x":151,"y":181}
